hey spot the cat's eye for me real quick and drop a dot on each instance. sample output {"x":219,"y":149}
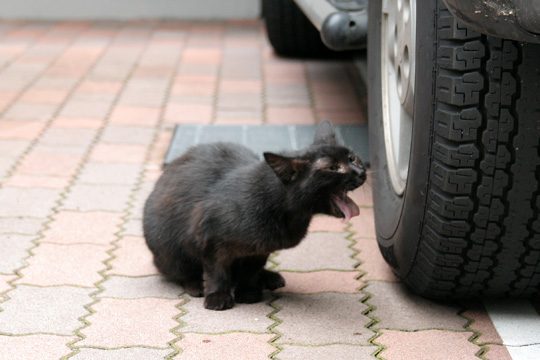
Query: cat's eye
{"x":352,"y":158}
{"x":334,"y":167}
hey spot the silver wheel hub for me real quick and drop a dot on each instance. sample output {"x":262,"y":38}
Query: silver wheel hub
{"x":398,"y":49}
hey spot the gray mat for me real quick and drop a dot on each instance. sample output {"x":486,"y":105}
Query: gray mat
{"x":260,"y":138}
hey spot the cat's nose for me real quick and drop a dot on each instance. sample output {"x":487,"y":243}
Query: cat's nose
{"x":359,"y":172}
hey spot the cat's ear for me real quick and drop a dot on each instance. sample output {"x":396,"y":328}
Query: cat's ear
{"x":286,"y":168}
{"x":325,"y":134}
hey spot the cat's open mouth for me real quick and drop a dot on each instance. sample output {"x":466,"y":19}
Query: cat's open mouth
{"x":345,"y":205}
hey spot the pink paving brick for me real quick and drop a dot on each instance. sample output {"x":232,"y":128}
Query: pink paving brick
{"x":54,"y":264}
{"x":112,"y":323}
{"x":43,"y":347}
{"x":289,"y":115}
{"x":188,"y":113}
{"x":135,"y":115}
{"x":59,"y":137}
{"x":497,"y":352}
{"x":116,"y":153}
{"x":44,"y":96}
{"x":372,"y":262}
{"x":36,"y":181}
{"x":133,"y":258}
{"x":77,"y":123}
{"x":27,"y":202}
{"x":364,"y":224}
{"x":97,"y":197}
{"x":20,"y":130}
{"x":104,"y":173}
{"x":321,"y":281}
{"x":44,"y":161}
{"x":127,"y":135}
{"x":4,"y":279}
{"x":482,"y":323}
{"x":231,"y":346}
{"x":323,"y":223}
{"x":427,"y":345}
{"x":93,"y":227}
{"x":240,"y":86}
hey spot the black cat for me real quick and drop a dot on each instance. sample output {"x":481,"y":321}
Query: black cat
{"x":217,"y":212}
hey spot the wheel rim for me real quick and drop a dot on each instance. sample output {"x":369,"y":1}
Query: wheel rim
{"x":398,"y":38}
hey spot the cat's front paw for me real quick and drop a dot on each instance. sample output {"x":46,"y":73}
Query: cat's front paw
{"x":218,"y":301}
{"x":272,"y":280}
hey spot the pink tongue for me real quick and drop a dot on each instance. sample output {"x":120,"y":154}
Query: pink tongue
{"x":347,"y":207}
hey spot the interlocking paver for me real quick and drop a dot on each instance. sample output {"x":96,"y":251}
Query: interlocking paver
{"x":326,"y":224}
{"x":70,"y":227}
{"x":68,"y":137}
{"x":293,"y":352}
{"x":133,"y":258}
{"x":45,"y":161}
{"x":242,"y":317}
{"x":12,"y":148}
{"x":53,"y":310}
{"x":497,"y":352}
{"x":76,"y":123}
{"x":132,"y":353}
{"x":4,"y":282}
{"x":364,"y":224}
{"x":37,"y":181}
{"x":127,"y":135}
{"x":397,"y":308}
{"x":118,"y":153}
{"x":42,"y":347}
{"x":139,"y":287}
{"x":111,"y":174}
{"x":54,"y":264}
{"x":225,"y":347}
{"x":372,"y":262}
{"x":427,"y":345}
{"x":83,"y":197}
{"x":20,"y":130}
{"x":27,"y":202}
{"x":307,"y":319}
{"x":321,"y":281}
{"x":134,"y":226}
{"x":483,"y":324}
{"x":112,"y":323}
{"x":20,"y":225}
{"x":289,"y":115}
{"x":318,"y":251}
{"x":13,"y":250}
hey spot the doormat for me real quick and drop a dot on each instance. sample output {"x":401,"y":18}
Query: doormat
{"x":261,"y":138}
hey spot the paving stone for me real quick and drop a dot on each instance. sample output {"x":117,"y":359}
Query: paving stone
{"x":133,"y":258}
{"x":54,"y":264}
{"x":225,"y":347}
{"x":37,"y":181}
{"x":77,"y":123}
{"x":337,"y":351}
{"x":323,"y":223}
{"x":68,"y":137}
{"x":46,"y":161}
{"x":132,"y":353}
{"x":127,"y":135}
{"x":363,"y":195}
{"x":95,"y":109}
{"x":427,"y":345}
{"x":188,"y":113}
{"x":19,"y":130}
{"x":318,"y":251}
{"x":321,"y":281}
{"x":372,"y":261}
{"x":134,"y":226}
{"x":483,"y":324}
{"x":42,"y":347}
{"x":116,"y":153}
{"x":109,"y":174}
{"x":27,"y":202}
{"x":397,"y":308}
{"x":13,"y":249}
{"x":70,"y":227}
{"x":53,"y":310}
{"x":289,"y":115}
{"x":135,"y":115}
{"x":364,"y":224}
{"x":112,"y":323}
{"x":322,"y":319}
{"x":84,"y":197}
{"x":516,"y":320}
{"x":4,"y":282}
{"x":500,"y":352}
{"x":20,"y":225}
{"x":242,"y":317}
{"x":140,"y":287}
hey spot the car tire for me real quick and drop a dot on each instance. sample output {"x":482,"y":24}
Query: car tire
{"x":467,"y":223}
{"x":290,"y":32}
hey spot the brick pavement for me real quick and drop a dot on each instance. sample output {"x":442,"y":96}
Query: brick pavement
{"x":86,"y":113}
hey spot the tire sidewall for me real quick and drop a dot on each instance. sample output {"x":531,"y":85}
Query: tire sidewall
{"x":399,"y":219}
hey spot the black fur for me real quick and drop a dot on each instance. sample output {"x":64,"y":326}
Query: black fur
{"x":217,"y":212}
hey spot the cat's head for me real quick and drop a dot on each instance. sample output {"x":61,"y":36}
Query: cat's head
{"x":325,"y":171}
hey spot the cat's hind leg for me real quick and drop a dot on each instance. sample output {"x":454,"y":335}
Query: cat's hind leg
{"x":249,"y":274}
{"x":184,"y":271}
{"x":271,"y":280}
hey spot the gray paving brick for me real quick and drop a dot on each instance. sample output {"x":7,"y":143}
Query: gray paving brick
{"x":268,"y":138}
{"x":13,"y":225}
{"x":27,"y":202}
{"x":322,"y":319}
{"x":221,"y":133}
{"x":121,"y":354}
{"x":338,"y":352}
{"x":318,"y":251}
{"x":13,"y":251}
{"x":242,"y":317}
{"x":138,"y":287}
{"x":52,"y":310}
{"x":397,"y":308}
